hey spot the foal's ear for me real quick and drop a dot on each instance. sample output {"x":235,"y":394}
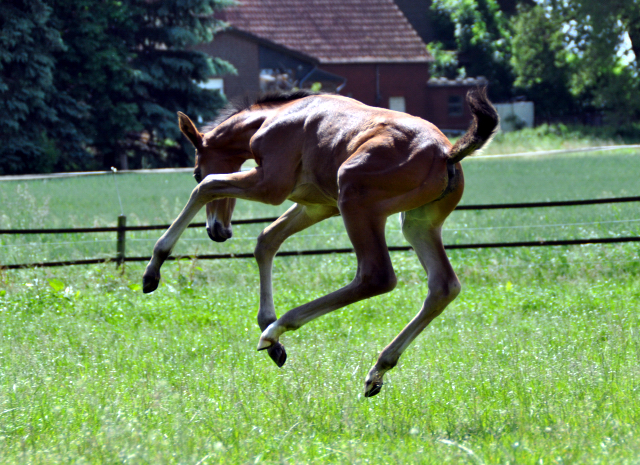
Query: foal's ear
{"x":189,"y":129}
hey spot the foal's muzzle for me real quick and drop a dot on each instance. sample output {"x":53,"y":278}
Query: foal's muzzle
{"x":218,"y":232}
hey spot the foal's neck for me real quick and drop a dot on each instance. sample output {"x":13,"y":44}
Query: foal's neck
{"x":236,"y":132}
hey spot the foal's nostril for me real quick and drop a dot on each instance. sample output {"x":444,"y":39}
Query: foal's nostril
{"x":211,"y":235}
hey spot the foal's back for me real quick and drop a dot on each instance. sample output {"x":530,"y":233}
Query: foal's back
{"x":323,"y":134}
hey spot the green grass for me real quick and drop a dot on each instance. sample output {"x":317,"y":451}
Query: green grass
{"x":537,"y":361}
{"x":559,"y":136}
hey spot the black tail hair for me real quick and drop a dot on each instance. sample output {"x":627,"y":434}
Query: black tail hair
{"x":483,"y":127}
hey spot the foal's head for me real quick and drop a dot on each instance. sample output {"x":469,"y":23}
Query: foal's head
{"x":212,"y":161}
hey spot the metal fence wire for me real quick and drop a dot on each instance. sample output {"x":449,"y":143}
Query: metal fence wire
{"x":122,"y":229}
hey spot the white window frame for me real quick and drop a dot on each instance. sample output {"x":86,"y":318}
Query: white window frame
{"x":398,"y":103}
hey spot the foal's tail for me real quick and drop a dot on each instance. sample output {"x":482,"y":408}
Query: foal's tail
{"x":482,"y":129}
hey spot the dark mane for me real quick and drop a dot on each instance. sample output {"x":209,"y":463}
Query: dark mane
{"x":237,"y":105}
{"x":281,"y":97}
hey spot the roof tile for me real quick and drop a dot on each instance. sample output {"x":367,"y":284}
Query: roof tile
{"x":332,"y":31}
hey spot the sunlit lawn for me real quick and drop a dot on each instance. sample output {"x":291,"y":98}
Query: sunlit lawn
{"x":537,"y":361}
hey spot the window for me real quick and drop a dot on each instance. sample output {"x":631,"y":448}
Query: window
{"x":454,"y":105}
{"x":214,"y":84}
{"x":397,"y":104}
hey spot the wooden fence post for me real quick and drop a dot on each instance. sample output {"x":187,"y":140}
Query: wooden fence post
{"x":122,"y":224}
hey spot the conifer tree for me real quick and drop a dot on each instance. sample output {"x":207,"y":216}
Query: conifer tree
{"x":131,"y":61}
{"x":35,"y":117}
{"x":88,"y":84}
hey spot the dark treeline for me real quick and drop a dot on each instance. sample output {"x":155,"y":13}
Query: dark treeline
{"x":89,"y":84}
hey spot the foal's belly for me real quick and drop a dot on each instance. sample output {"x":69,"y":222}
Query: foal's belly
{"x":308,"y":193}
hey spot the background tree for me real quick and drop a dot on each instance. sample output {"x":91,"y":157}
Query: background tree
{"x":480,"y":34}
{"x":606,"y":42}
{"x":35,"y":116}
{"x":541,"y":64}
{"x":575,"y":56}
{"x":99,"y":83}
{"x":131,"y":62}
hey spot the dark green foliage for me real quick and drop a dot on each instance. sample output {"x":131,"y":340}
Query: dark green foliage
{"x":480,"y":33}
{"x":541,"y":75}
{"x":575,"y":56}
{"x":36,"y":117}
{"x":607,"y":50}
{"x":570,"y":58}
{"x":130,"y":61}
{"x":104,"y":81}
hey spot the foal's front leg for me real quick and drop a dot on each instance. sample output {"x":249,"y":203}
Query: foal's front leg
{"x":294,"y":220}
{"x":164,"y":245}
{"x":244,"y":185}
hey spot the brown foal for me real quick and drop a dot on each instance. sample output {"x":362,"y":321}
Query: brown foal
{"x":332,"y":155}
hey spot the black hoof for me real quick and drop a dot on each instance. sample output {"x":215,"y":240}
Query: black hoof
{"x":375,"y":390}
{"x":277,"y":354}
{"x":150,"y":283}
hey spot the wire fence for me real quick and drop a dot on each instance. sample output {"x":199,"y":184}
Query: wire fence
{"x":121,"y":237}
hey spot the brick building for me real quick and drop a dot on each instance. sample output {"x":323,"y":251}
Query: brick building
{"x":365,"y":49}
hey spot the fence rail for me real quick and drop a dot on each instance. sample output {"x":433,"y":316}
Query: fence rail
{"x":121,"y":230}
{"x":496,"y":206}
{"x":296,"y":253}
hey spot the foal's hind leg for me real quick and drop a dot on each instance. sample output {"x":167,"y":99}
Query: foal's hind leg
{"x":426,"y":239}
{"x":297,"y":218}
{"x":374,"y":275}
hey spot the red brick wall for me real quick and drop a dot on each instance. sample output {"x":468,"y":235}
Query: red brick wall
{"x":403,"y":79}
{"x":241,"y":53}
{"x":438,"y":107}
{"x":408,"y":80}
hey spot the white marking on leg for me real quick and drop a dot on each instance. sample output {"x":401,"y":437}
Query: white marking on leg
{"x":270,"y":335}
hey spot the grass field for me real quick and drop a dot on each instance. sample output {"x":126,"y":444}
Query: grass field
{"x":537,"y":361}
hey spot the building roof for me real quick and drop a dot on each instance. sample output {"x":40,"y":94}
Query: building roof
{"x":332,"y":31}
